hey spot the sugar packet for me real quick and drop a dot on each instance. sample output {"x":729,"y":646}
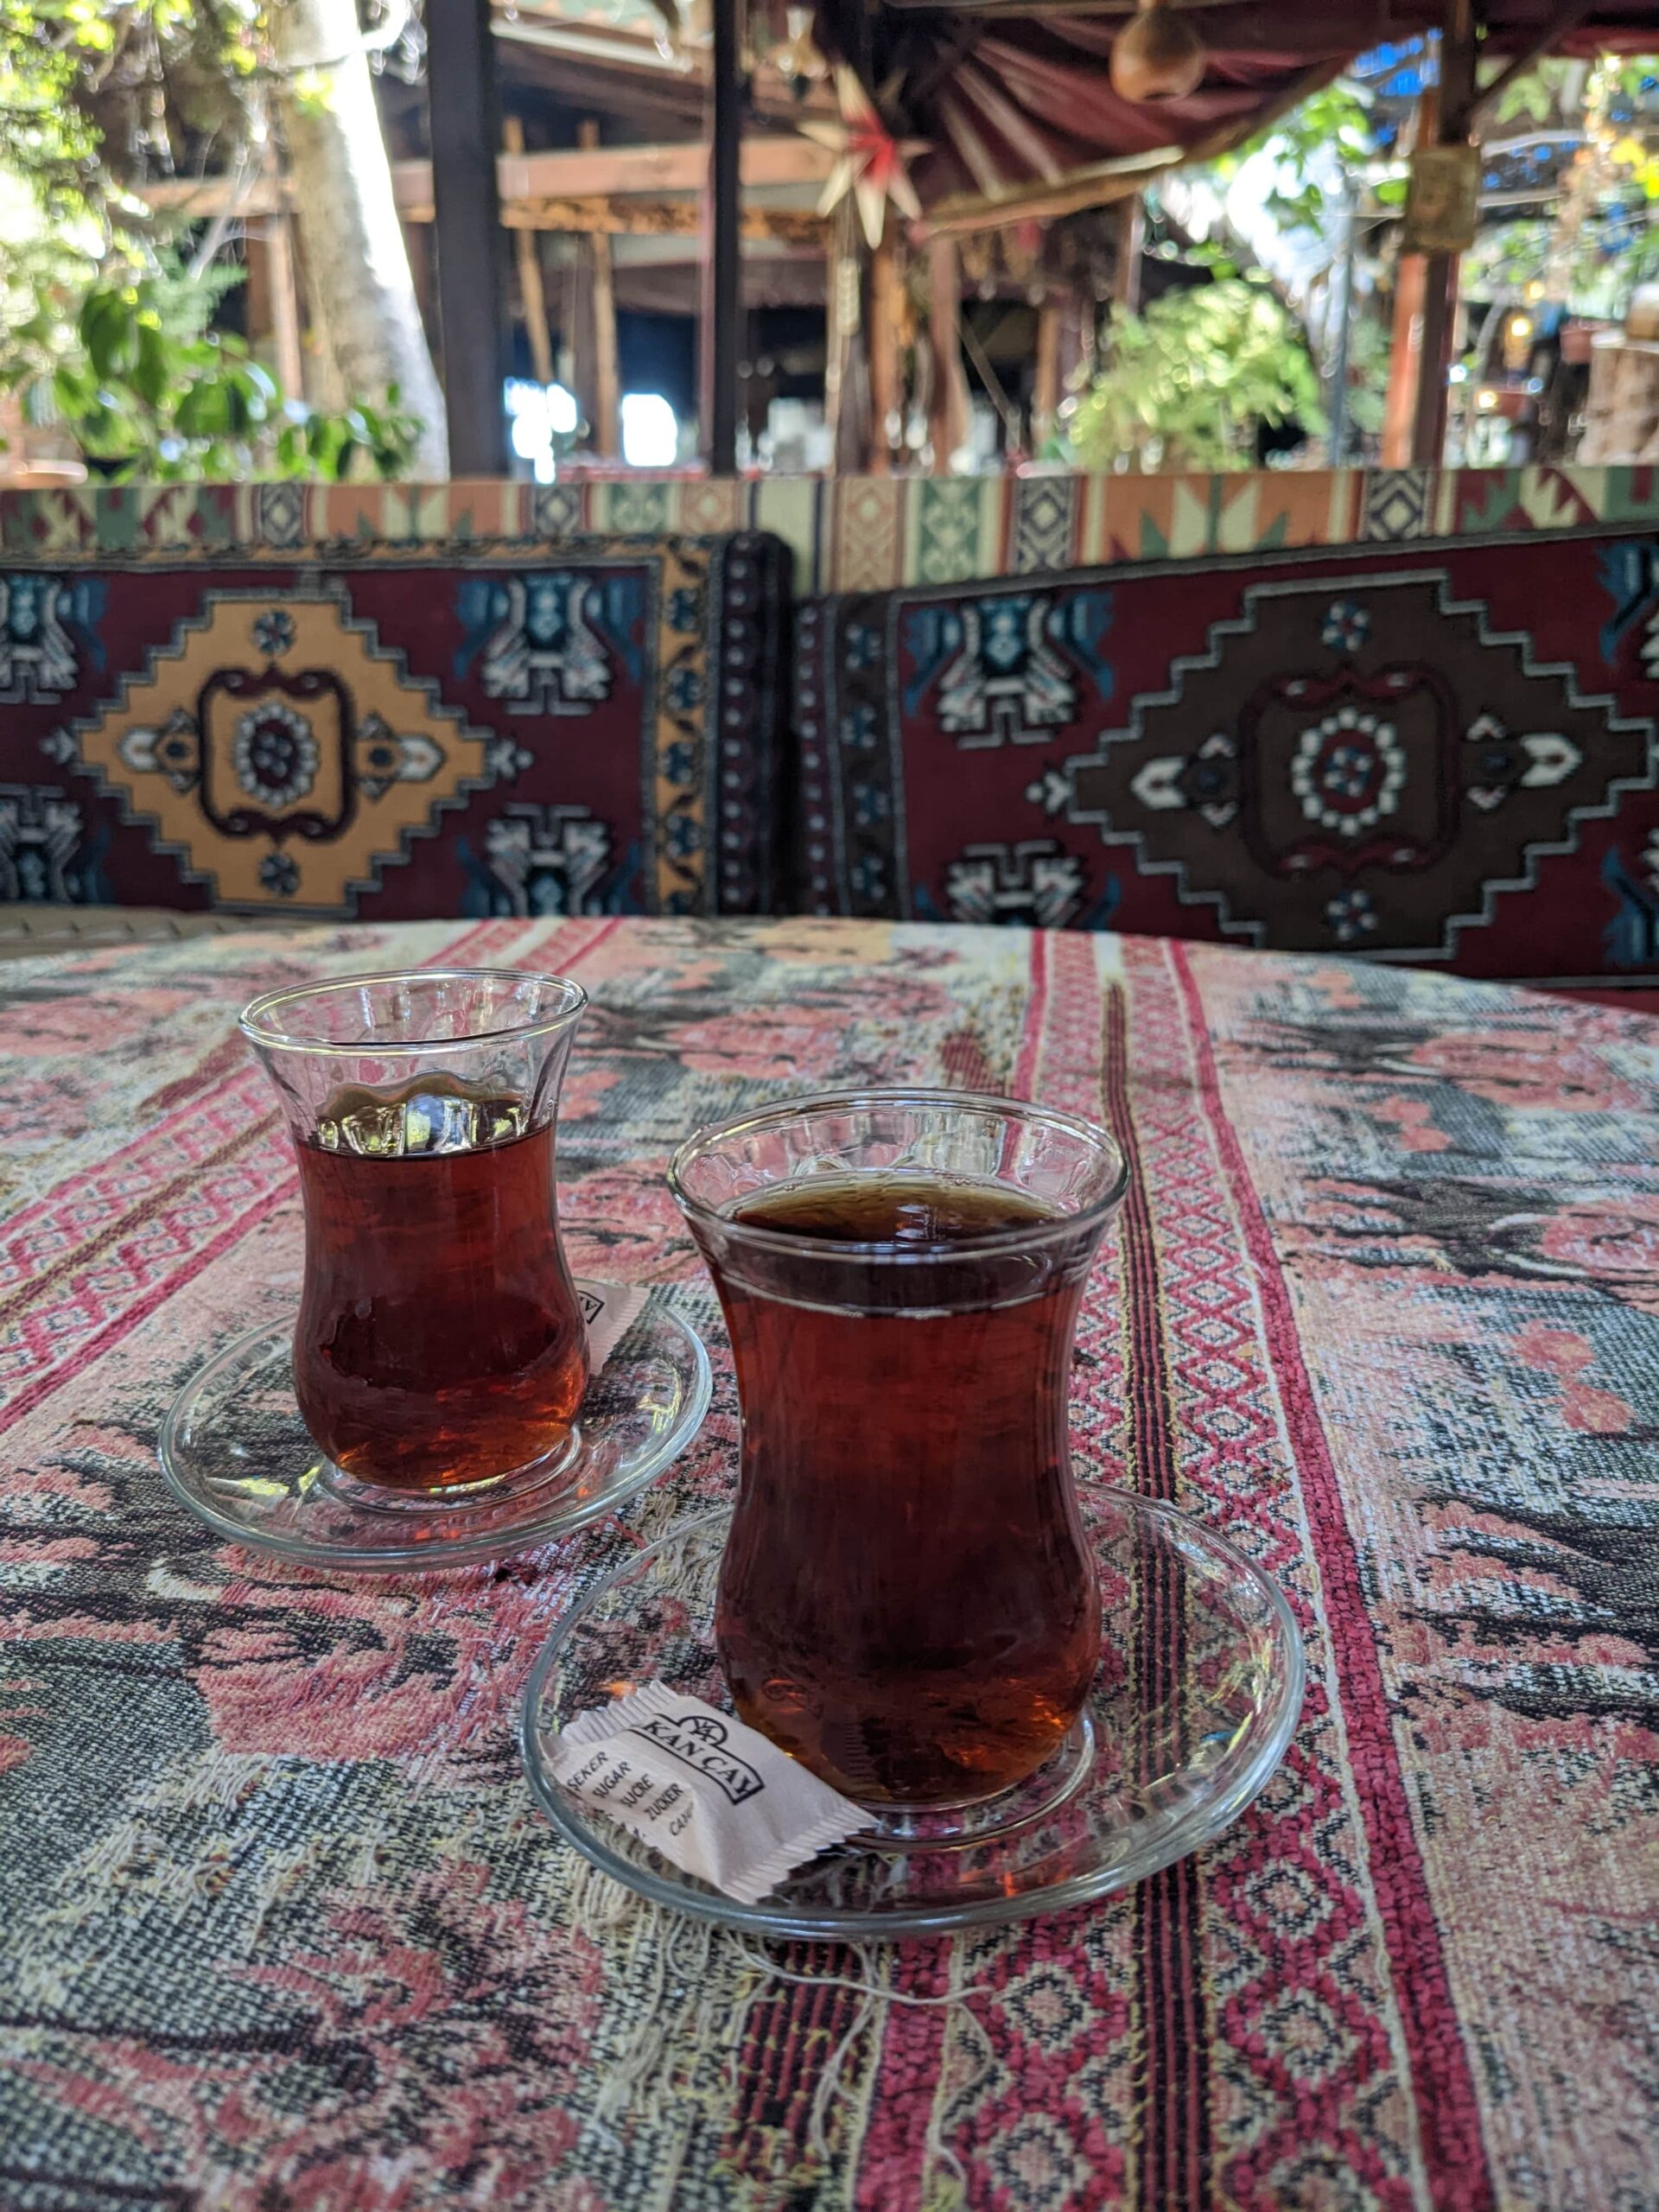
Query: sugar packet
{"x":608,"y":1312}
{"x":718,"y":1799}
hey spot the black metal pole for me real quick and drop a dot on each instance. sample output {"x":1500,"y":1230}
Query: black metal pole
{"x":721,"y":299}
{"x":466,"y":125}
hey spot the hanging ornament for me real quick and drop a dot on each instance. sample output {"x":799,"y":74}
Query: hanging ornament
{"x":870,"y":163}
{"x":797,"y":61}
{"x":1159,"y":56}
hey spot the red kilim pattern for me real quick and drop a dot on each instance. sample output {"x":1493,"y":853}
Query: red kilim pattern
{"x":282,"y":1928}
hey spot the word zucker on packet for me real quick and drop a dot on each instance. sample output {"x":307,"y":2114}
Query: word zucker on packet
{"x":716,"y":1798}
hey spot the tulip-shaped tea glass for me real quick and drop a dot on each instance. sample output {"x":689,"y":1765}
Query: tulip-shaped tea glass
{"x":440,"y":1344}
{"x":429,"y":1405}
{"x":907,"y":1601}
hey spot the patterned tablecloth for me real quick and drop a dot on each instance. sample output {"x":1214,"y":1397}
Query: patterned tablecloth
{"x":279,"y":1925}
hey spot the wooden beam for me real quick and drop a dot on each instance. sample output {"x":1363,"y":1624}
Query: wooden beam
{"x":607,"y":387}
{"x":471,"y":274}
{"x":568,"y":173}
{"x":719,"y":321}
{"x":530,"y":293}
{"x":665,"y":219}
{"x":1096,"y":186}
{"x":1099,"y":183}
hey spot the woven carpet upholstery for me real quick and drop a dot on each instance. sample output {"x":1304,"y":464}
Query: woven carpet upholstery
{"x":459,"y":732}
{"x":283,"y":1930}
{"x":1445,"y":754}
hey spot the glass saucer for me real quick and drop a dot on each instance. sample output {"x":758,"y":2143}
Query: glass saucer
{"x":236,"y":1452}
{"x":1149,"y":1773}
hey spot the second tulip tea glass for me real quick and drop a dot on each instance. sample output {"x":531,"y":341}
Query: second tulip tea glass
{"x":905,"y":1601}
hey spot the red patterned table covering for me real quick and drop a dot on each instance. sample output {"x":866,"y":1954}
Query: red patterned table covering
{"x":279,"y":1926}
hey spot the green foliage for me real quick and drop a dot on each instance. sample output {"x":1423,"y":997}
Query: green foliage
{"x":1537,"y":95}
{"x":46,"y":46}
{"x":1549,"y":91}
{"x":1189,"y":381}
{"x":1600,"y":239}
{"x":149,"y":391}
{"x":58,"y":58}
{"x":104,"y":329}
{"x":1335,"y":121}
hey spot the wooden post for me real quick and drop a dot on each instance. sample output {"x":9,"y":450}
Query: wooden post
{"x":595,"y":262}
{"x":471,"y":251}
{"x":531,"y":295}
{"x":1343,"y":311}
{"x":608,"y":390}
{"x":283,"y":283}
{"x":1440,"y":270}
{"x":887,"y":315}
{"x":846,"y":383}
{"x":835,"y":333}
{"x":721,"y":290}
{"x":1401,"y":405}
{"x":951,"y":408}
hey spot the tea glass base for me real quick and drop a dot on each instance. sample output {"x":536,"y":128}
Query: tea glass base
{"x":1198,"y":1690}
{"x":377,"y":1497}
{"x":986,"y":1819}
{"x":235,"y":1452}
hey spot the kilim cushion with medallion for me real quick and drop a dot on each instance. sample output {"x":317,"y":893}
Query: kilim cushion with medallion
{"x":1445,"y":756}
{"x":472,"y":731}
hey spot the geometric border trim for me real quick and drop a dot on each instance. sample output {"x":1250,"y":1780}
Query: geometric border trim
{"x":844,"y":534}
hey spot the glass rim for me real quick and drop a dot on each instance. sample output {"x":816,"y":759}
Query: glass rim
{"x":1040,"y":1233}
{"x":572,"y":997}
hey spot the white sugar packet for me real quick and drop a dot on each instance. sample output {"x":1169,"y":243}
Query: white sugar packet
{"x":609,"y":1310}
{"x":718,"y":1799}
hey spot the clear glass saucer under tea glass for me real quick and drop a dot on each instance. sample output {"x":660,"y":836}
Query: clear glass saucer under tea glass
{"x":236,"y":1453}
{"x":1195,"y":1698}
{"x":435,"y":1399}
{"x":1031,"y":1700}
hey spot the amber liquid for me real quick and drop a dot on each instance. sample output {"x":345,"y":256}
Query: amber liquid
{"x":905,"y":1602}
{"x":440,"y":1342}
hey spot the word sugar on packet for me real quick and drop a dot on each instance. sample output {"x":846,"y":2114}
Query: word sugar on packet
{"x":716,"y":1798}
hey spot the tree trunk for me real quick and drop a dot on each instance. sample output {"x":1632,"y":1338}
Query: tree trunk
{"x":361,"y":289}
